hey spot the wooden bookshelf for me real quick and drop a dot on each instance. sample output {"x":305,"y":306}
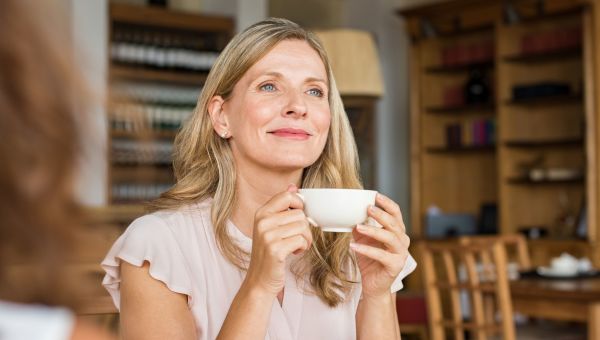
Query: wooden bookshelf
{"x":174,"y":52}
{"x":559,"y":131}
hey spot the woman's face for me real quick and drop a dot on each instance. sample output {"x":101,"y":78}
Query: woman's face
{"x":278,"y":115}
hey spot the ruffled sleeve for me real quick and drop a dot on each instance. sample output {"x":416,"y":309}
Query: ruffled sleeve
{"x":150,"y":239}
{"x":409,"y":266}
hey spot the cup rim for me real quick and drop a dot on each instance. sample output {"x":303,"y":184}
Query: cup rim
{"x":336,"y":189}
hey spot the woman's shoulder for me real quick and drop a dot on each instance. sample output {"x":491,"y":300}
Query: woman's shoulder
{"x":190,"y":215}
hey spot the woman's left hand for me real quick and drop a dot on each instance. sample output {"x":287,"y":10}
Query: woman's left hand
{"x":381,"y":252}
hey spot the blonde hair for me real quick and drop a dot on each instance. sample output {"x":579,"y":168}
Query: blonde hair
{"x":204,"y":165}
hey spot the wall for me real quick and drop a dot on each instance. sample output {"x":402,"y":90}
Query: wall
{"x":245,"y":12}
{"x":89,"y":28}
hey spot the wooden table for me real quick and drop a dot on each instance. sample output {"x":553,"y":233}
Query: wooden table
{"x":565,"y":300}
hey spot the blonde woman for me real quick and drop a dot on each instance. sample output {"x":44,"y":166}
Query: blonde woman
{"x":229,"y":254}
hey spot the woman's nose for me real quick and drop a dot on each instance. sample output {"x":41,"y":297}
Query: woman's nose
{"x":296,"y":106}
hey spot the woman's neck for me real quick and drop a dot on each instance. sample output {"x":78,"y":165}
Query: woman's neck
{"x":254,"y":188}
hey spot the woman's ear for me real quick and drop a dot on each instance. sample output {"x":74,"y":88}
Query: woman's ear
{"x":217,"y":116}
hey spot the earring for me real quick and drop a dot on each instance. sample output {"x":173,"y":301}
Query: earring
{"x":224,"y":134}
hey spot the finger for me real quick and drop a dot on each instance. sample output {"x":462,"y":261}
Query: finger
{"x":281,"y":202}
{"x":388,"y":221}
{"x":384,"y":257}
{"x":289,"y":230}
{"x":284,"y":217}
{"x":294,"y":244}
{"x":388,"y":238}
{"x":389,"y":205}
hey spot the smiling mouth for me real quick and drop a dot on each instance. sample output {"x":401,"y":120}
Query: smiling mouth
{"x":295,"y":134}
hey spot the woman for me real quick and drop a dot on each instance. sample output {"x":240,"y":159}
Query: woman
{"x":39,"y":148}
{"x":230,"y":254}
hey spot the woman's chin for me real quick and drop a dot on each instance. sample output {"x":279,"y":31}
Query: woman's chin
{"x":290,"y":164}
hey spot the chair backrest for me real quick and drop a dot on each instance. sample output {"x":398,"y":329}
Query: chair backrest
{"x":479,"y":269}
{"x":515,"y":245}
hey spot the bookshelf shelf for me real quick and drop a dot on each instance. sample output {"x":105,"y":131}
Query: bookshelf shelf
{"x":459,"y":68}
{"x":486,"y":108}
{"x":461,"y":149}
{"x":528,"y":181}
{"x":548,"y":56}
{"x":567,"y":142}
{"x":121,"y":72}
{"x":143,"y":135}
{"x":547,"y":100}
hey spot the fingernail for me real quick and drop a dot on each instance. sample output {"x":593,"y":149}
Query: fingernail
{"x":371,"y":208}
{"x":301,"y":197}
{"x":291,"y":187}
{"x":354,"y":245}
{"x":361,"y":227}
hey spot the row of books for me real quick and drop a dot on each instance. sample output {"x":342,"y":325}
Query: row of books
{"x":144,"y":118}
{"x":129,"y":152}
{"x":156,"y":93}
{"x":135,"y":192}
{"x":155,"y":49}
{"x":552,"y":40}
{"x":480,"y":132}
{"x":463,"y":54}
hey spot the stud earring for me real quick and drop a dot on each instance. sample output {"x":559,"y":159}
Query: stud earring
{"x":224,"y":134}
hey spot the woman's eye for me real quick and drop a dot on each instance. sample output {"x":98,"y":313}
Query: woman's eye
{"x":268,"y":87}
{"x":315,"y":92}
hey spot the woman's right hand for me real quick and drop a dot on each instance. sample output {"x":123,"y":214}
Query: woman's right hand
{"x":280,"y":229}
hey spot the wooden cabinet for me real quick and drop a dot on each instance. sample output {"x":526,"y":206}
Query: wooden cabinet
{"x":529,"y":147}
{"x":159,"y":60}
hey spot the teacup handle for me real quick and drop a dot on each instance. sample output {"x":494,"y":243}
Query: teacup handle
{"x":310,"y":220}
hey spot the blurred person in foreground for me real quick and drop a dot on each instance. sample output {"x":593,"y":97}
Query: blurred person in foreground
{"x":39,"y":149}
{"x":230,"y":254}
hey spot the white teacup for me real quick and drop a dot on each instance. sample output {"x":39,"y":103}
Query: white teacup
{"x":337,"y":210}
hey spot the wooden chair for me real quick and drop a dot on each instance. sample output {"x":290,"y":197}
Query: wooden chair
{"x":485,"y":264}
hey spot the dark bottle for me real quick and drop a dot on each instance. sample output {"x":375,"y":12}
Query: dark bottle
{"x":477,"y":90}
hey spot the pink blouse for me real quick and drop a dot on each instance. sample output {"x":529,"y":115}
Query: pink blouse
{"x":182,"y":251}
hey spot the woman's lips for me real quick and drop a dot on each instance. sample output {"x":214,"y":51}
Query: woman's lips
{"x":296,"y":134}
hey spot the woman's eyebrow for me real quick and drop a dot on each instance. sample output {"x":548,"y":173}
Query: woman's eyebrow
{"x":272,"y":74}
{"x":279,"y":76}
{"x":314,"y":79}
